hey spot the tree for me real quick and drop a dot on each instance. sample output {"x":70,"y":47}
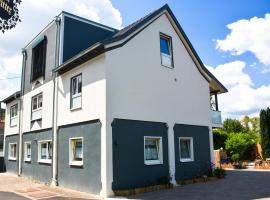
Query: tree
{"x":233,"y":126}
{"x":265,"y":132}
{"x":246,"y":121}
{"x":255,"y":123}
{"x":219,"y":137}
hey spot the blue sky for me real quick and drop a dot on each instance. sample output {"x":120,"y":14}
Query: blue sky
{"x":231,"y":37}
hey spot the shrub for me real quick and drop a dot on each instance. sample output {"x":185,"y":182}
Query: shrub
{"x":219,"y":172}
{"x":241,"y":146}
{"x":232,"y":126}
{"x":219,"y":137}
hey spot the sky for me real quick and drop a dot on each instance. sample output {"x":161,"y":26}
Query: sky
{"x":231,"y":37}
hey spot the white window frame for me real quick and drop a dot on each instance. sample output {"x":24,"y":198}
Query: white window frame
{"x":169,"y":39}
{"x":71,"y":161}
{"x":77,"y":95}
{"x":160,"y":152}
{"x":13,"y":118}
{"x":25,"y":151}
{"x":40,"y":160}
{"x":9,"y":151}
{"x":191,"y":159}
{"x":39,"y":108}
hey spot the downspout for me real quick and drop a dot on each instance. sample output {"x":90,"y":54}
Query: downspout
{"x":21,"y":114}
{"x":54,"y":181}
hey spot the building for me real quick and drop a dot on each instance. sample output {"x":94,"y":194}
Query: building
{"x":103,"y":109}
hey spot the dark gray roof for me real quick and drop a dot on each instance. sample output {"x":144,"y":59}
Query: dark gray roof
{"x":99,"y":47}
{"x":12,"y":97}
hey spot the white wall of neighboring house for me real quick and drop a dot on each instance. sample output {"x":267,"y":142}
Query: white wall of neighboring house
{"x":14,"y":129}
{"x":47,"y":108}
{"x":140,"y":88}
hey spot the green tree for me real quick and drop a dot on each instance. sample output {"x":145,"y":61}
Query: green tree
{"x":246,"y":121}
{"x":255,"y":123}
{"x":233,"y":126}
{"x":265,"y":132}
{"x":241,"y":145}
{"x":219,"y":137}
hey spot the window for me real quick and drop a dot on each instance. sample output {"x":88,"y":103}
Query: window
{"x":76,"y":92}
{"x":37,"y":107}
{"x":45,"y":151}
{"x":186,"y":149}
{"x":13,"y":115}
{"x":12,"y":154}
{"x":153,"y":150}
{"x":76,"y":151}
{"x":38,"y":59}
{"x":166,"y":51}
{"x":27,"y":151}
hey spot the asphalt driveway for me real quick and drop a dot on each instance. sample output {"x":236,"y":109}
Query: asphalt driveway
{"x":238,"y":185}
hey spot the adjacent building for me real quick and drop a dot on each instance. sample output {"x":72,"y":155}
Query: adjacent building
{"x":102,"y":109}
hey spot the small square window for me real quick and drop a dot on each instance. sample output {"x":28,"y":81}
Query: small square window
{"x":186,"y":149}
{"x":13,"y":115}
{"x":166,"y":51}
{"x":37,"y":107}
{"x":45,"y":151}
{"x":76,"y":151}
{"x":153,"y":150}
{"x":12,"y":154}
{"x":27,"y":151}
{"x":76,"y":92}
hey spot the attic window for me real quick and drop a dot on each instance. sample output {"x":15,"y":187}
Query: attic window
{"x":166,"y":50}
{"x":38,"y":59}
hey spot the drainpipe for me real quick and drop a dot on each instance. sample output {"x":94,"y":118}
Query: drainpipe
{"x":54,"y":181}
{"x":21,"y":115}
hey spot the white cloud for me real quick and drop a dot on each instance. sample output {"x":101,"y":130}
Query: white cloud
{"x":35,"y":15}
{"x":243,"y":98}
{"x":249,"y":35}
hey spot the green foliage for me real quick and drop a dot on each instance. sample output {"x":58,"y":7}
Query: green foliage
{"x":265,"y":132}
{"x":241,"y":145}
{"x":219,"y":137}
{"x":219,"y":172}
{"x":233,"y":126}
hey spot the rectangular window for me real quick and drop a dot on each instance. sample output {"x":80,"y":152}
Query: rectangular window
{"x":76,"y":151}
{"x":153,"y":150}
{"x":27,"y":151}
{"x":166,"y":51}
{"x":37,"y":107}
{"x":13,"y":115}
{"x":12,"y":153}
{"x":38,"y":59}
{"x":45,"y":151}
{"x":76,"y":92}
{"x":186,"y":149}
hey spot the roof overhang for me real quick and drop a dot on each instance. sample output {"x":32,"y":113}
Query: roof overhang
{"x":12,"y":97}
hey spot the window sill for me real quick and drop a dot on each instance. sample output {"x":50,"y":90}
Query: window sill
{"x":153,"y":162}
{"x":12,"y":159}
{"x":36,"y":120}
{"x":13,"y":126}
{"x":45,"y":161}
{"x":76,"y":163}
{"x":27,"y":160}
{"x":186,"y":160}
{"x":75,"y":109}
{"x":167,"y":66}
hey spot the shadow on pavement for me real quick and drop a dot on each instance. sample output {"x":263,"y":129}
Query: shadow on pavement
{"x":240,"y":185}
{"x":10,"y":196}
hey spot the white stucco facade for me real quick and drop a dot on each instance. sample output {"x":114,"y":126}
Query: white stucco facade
{"x":11,"y":130}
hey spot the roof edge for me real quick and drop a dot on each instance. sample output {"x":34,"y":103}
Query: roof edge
{"x":12,"y":97}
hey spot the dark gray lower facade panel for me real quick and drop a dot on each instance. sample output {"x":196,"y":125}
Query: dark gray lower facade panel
{"x":86,"y":178}
{"x":129,"y":170}
{"x":202,"y":161}
{"x":34,"y":169}
{"x":11,"y":165}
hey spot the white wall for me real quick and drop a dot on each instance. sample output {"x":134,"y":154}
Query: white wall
{"x":47,"y":108}
{"x":140,"y":88}
{"x":14,"y":129}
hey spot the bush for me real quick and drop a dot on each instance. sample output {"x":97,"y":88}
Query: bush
{"x":219,"y":137}
{"x":241,"y":146}
{"x":219,"y":172}
{"x":232,"y":126}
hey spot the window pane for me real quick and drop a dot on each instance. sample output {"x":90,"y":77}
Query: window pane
{"x":164,"y":46}
{"x":28,"y":150}
{"x":15,"y":150}
{"x":34,"y":103}
{"x":50,"y":150}
{"x":74,"y":86}
{"x":76,"y":102}
{"x":185,"y":149}
{"x":40,"y":101}
{"x":78,"y":154}
{"x":79,"y":84}
{"x":151,"y":149}
{"x":43,"y":152}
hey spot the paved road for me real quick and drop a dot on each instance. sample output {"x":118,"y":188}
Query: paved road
{"x":13,"y":196}
{"x":240,"y":185}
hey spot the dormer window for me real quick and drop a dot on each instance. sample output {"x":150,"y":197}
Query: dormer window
{"x":166,"y":51}
{"x":38,"y":59}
